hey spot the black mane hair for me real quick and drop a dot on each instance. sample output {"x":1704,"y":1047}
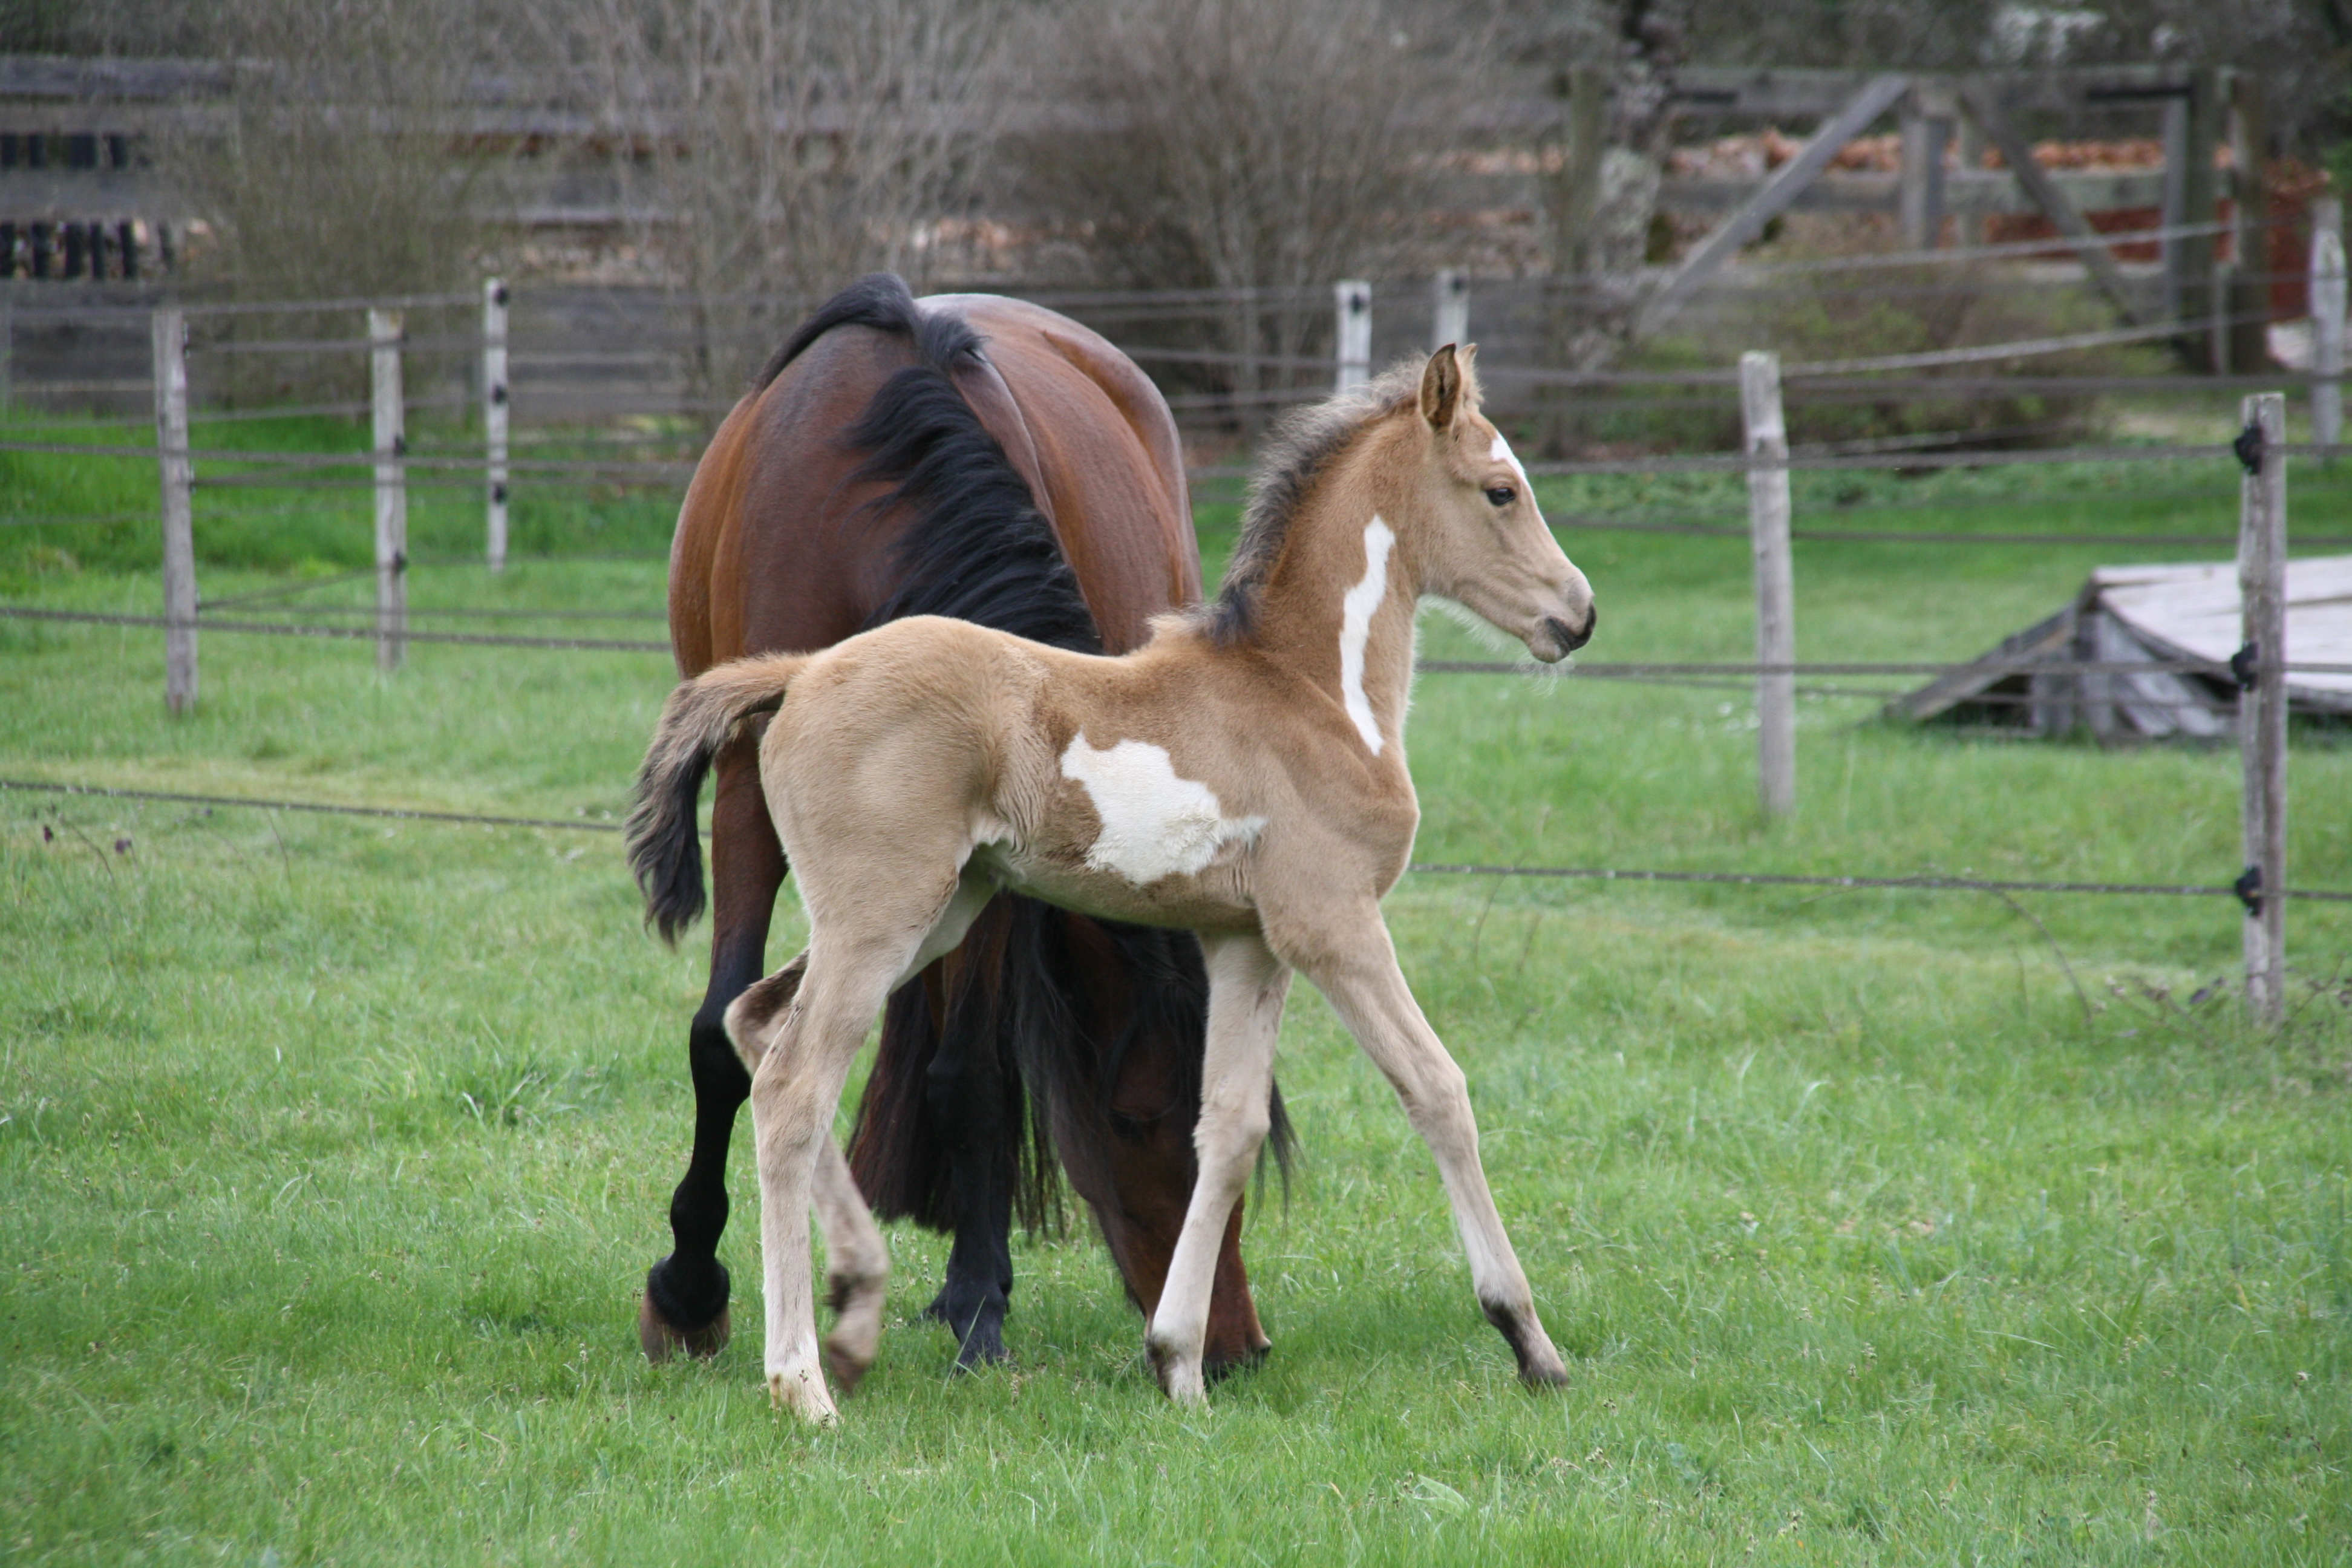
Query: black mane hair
{"x":1299,"y":451}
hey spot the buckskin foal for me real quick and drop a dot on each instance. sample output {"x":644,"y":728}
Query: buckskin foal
{"x":1242,"y":775}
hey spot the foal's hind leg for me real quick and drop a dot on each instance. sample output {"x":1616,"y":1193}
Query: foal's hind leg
{"x":796,"y":1088}
{"x":1355,"y":967}
{"x":858,"y":1261}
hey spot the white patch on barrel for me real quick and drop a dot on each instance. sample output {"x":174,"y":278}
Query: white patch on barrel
{"x":1154,"y":824}
{"x":1356,"y":629}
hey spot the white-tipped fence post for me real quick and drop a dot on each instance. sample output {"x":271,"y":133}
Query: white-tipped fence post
{"x":494,"y":415}
{"x":1354,"y":302}
{"x":2262,"y":700}
{"x":391,"y":492}
{"x":178,"y":474}
{"x":1776,"y":626}
{"x":1450,"y":310}
{"x":2327,"y":290}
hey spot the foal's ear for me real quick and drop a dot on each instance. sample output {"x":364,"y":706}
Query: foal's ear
{"x":1441,"y":388}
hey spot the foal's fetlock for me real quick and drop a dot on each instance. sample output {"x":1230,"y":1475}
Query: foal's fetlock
{"x":803,"y":1393}
{"x":857,"y":1301}
{"x":1178,"y":1375}
{"x":1539,"y":1364}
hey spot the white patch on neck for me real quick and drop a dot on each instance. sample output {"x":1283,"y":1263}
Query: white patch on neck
{"x":1501,"y":453}
{"x":1154,"y":824}
{"x":1356,"y":629}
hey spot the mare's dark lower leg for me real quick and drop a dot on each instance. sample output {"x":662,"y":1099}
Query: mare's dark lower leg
{"x":686,"y":1293}
{"x":970,"y":1094}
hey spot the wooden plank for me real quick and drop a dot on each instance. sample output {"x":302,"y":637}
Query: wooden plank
{"x":1926,"y":131}
{"x":2044,"y":640}
{"x":1776,"y":626}
{"x":2262,"y":713}
{"x":2019,"y":155}
{"x":1743,"y":225}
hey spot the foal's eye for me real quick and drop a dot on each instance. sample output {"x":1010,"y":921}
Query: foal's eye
{"x":1502,"y":495}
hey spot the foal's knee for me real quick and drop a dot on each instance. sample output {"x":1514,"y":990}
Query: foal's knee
{"x":1230,"y":1138}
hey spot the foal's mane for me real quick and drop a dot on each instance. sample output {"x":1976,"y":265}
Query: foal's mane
{"x":1303,"y":447}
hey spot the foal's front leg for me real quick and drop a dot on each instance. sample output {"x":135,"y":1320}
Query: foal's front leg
{"x":1247,"y":984}
{"x":1359,"y":975}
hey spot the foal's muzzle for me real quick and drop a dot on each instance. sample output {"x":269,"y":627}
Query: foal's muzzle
{"x":1567,"y":640}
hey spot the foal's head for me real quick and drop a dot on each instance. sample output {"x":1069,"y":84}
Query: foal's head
{"x":1483,"y":542}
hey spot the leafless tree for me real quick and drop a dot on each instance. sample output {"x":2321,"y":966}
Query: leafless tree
{"x":770,"y":151}
{"x":1261,"y":148}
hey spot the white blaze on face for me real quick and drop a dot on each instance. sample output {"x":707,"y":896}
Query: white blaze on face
{"x":1154,"y":824}
{"x":1501,"y":452}
{"x":1356,"y":629}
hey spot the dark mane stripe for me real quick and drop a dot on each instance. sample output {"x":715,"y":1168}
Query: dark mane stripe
{"x":1299,"y":450}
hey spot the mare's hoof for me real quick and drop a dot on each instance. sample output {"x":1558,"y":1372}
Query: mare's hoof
{"x":983,"y":1348}
{"x":1217,"y":1368}
{"x":662,"y":1341}
{"x":1541,"y":1377}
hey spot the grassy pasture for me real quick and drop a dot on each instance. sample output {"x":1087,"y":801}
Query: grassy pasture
{"x":332,"y":1151}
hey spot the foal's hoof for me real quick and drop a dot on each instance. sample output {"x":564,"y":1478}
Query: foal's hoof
{"x":843,"y":1366}
{"x":662,"y":1341}
{"x":1543,"y":1377}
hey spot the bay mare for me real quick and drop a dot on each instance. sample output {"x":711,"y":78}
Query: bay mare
{"x":1241,"y":774}
{"x":986,"y":458}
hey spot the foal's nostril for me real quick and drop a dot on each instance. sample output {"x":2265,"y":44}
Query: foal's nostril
{"x":1569,"y":641}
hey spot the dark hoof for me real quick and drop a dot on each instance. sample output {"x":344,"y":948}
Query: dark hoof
{"x":1544,"y":1377}
{"x":844,"y":1371}
{"x":984,"y":1347}
{"x":1217,"y":1368}
{"x":662,"y":1339}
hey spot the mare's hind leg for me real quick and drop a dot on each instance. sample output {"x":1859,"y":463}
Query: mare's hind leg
{"x":803,"y":1058}
{"x":1355,"y":967}
{"x":685,"y":1305}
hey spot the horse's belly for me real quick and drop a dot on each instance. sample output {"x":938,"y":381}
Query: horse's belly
{"x":1209,"y":900}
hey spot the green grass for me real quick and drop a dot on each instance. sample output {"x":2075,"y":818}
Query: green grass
{"x":332,"y":1152}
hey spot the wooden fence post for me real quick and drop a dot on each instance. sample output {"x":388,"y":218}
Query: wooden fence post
{"x":494,"y":415}
{"x":2248,"y":301}
{"x":178,"y":475}
{"x":1927,"y":123}
{"x":2262,"y":700}
{"x":1776,"y":627}
{"x":2199,"y":193}
{"x":1354,"y":331}
{"x":2328,"y":291}
{"x":385,"y":332}
{"x":1450,"y":310}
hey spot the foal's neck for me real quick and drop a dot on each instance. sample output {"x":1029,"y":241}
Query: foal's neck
{"x":1336,"y":609}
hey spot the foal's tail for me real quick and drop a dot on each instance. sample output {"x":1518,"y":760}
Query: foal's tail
{"x":700,"y":717}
